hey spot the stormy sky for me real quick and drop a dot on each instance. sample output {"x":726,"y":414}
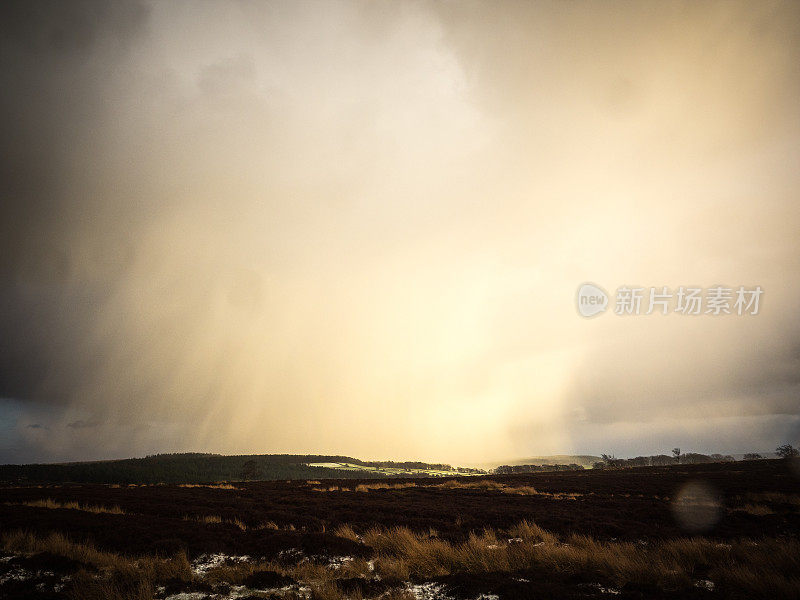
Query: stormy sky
{"x":359,"y":227}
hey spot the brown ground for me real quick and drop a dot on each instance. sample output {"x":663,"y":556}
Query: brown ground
{"x":758,"y":499}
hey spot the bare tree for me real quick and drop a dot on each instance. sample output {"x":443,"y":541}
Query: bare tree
{"x":676,"y":452}
{"x":787,"y":451}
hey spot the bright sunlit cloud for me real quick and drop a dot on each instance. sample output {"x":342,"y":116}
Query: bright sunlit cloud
{"x":358,"y":228}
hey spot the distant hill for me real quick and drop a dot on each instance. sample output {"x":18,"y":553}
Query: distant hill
{"x":585,"y":460}
{"x":202,"y":468}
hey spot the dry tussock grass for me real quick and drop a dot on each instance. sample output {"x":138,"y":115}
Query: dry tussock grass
{"x":214,"y":519}
{"x":450,"y":484}
{"x":50,"y":503}
{"x":347,"y":532}
{"x":235,"y":574}
{"x":365,"y":487}
{"x":748,"y":566}
{"x":119,"y":577}
{"x":766,"y":568}
{"x":27,"y":543}
{"x":331,"y":591}
{"x":483,"y":484}
{"x":330,"y":488}
{"x":212,"y":486}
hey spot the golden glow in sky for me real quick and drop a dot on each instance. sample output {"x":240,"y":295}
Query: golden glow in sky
{"x":358,"y":228}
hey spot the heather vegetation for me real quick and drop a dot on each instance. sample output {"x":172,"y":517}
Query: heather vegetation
{"x":716,"y":530}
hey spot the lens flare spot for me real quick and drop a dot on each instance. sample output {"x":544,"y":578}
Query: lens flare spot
{"x":696,"y":507}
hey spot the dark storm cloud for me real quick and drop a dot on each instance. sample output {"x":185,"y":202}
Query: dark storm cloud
{"x":618,"y":382}
{"x":55,"y":58}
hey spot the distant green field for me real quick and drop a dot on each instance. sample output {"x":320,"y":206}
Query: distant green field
{"x":388,"y":471}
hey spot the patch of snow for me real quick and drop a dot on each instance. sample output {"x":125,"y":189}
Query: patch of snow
{"x":16,"y":574}
{"x":605,"y":590}
{"x":336,"y":562}
{"x":705,"y":584}
{"x":428,"y":591}
{"x":188,"y":596}
{"x":205,"y":562}
{"x":290,"y":553}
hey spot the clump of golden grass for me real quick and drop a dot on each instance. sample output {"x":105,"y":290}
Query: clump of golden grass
{"x":331,"y":488}
{"x":347,"y":532}
{"x":236,"y":573}
{"x":56,"y":543}
{"x":331,"y":591}
{"x":365,"y":487}
{"x":212,"y":486}
{"x":756,"y":509}
{"x":214,"y":519}
{"x":450,"y":484}
{"x":765,"y":503}
{"x":488,"y":485}
{"x":531,"y":532}
{"x":404,"y":554}
{"x":119,"y":578}
{"x":72,"y":505}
